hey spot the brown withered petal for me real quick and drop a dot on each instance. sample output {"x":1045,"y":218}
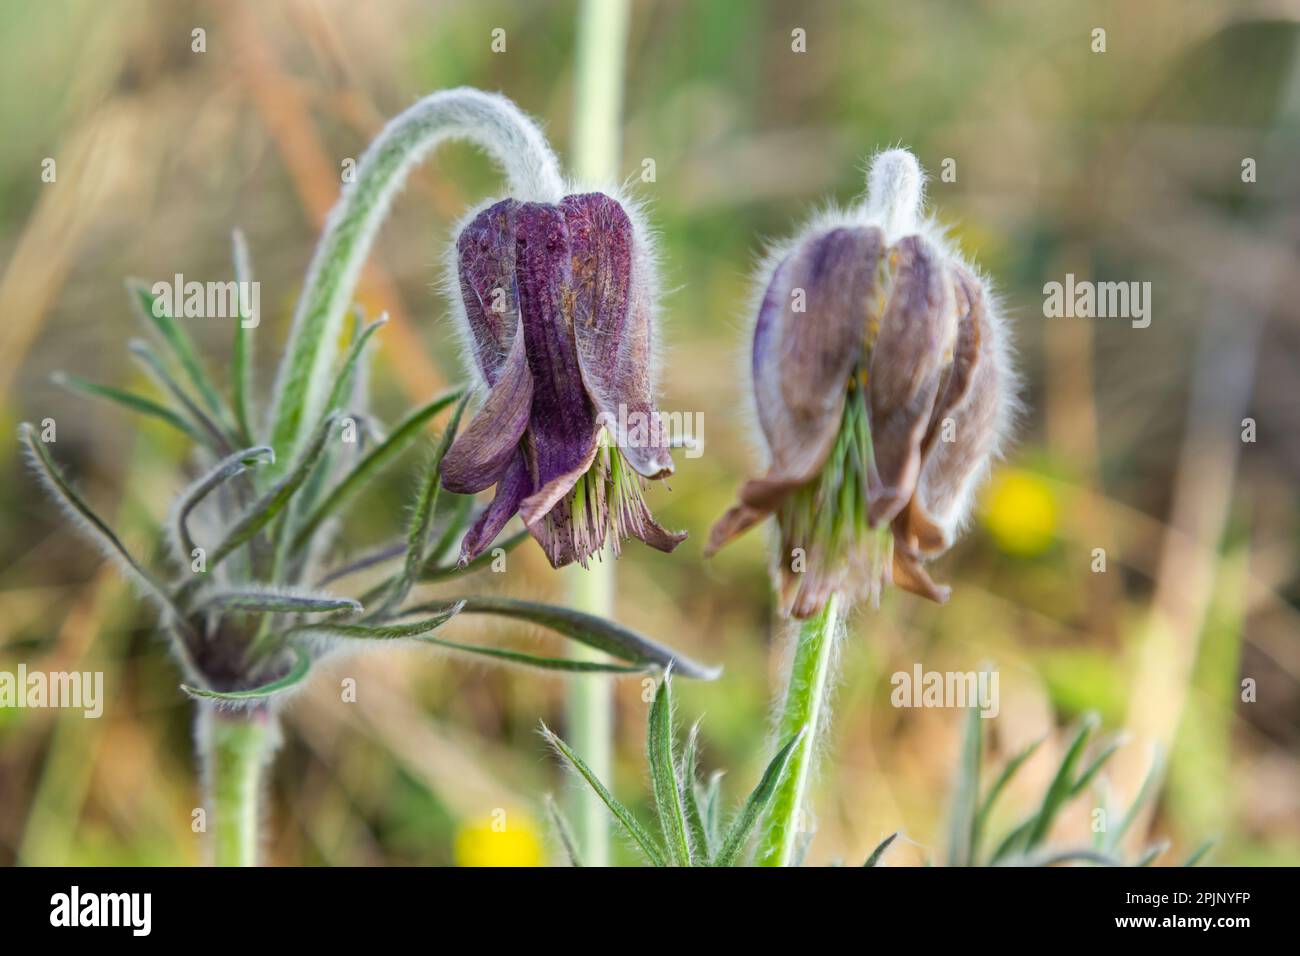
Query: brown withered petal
{"x":971,"y":401}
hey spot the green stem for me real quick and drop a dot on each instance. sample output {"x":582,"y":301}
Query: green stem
{"x":598,"y":96}
{"x":237,"y":746}
{"x":806,"y":705}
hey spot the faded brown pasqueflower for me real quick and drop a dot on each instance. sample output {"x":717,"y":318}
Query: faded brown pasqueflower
{"x":883,"y":386}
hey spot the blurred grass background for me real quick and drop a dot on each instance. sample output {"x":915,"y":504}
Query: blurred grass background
{"x":1123,"y":165}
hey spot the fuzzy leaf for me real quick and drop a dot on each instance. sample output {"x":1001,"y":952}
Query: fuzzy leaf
{"x":664,"y":776}
{"x":761,"y":798}
{"x":564,"y":832}
{"x":241,"y":360}
{"x":91,"y":524}
{"x":371,"y":464}
{"x":1008,"y":772}
{"x":694,"y":816}
{"x":178,"y":343}
{"x":291,"y":678}
{"x":229,"y":467}
{"x":613,"y":639}
{"x":277,"y":601}
{"x":507,"y":656}
{"x":426,"y":503}
{"x":1116,"y":834}
{"x":130,"y":400}
{"x":214,"y":437}
{"x":342,"y":391}
{"x":384,"y":632}
{"x":620,"y":813}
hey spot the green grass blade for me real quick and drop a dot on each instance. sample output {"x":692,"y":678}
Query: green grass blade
{"x":759,"y":800}
{"x":995,"y":791}
{"x":664,"y":777}
{"x":371,"y":464}
{"x":296,"y":674}
{"x":622,"y":814}
{"x":130,"y":400}
{"x":1062,"y":784}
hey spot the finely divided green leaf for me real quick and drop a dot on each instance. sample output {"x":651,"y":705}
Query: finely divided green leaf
{"x":664,"y":777}
{"x":291,"y":678}
{"x":966,"y":793}
{"x":130,"y":400}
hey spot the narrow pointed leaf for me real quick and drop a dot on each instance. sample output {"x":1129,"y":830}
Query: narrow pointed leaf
{"x":690,"y":795}
{"x":1152,"y":853}
{"x":440,"y":572}
{"x":622,"y":814}
{"x":241,"y":360}
{"x":1059,"y":789}
{"x":664,"y":777}
{"x":291,"y":678}
{"x":564,"y":832}
{"x":614,"y":639}
{"x":154,"y":367}
{"x":1093,"y":768}
{"x":1199,"y":853}
{"x":1116,"y":834}
{"x":713,"y":811}
{"x":279,"y":601}
{"x":426,"y":504}
{"x":761,"y":798}
{"x":879,"y":852}
{"x":341,"y":393}
{"x":507,"y":656}
{"x":371,"y":464}
{"x":130,"y":400}
{"x":178,"y":343}
{"x":226,"y":469}
{"x":986,"y":808}
{"x":91,"y":524}
{"x":381,"y":632}
{"x":1013,"y":841}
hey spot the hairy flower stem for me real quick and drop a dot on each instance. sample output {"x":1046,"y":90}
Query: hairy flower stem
{"x":806,"y":705}
{"x":598,"y":96}
{"x":236,"y":746}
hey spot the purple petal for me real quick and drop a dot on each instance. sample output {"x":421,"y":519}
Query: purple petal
{"x":511,"y":490}
{"x":802,"y":360}
{"x":485,"y":255}
{"x":562,"y":428}
{"x":611,"y":325}
{"x":482,"y":452}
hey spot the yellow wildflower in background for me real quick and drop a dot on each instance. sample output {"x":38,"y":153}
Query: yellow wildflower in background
{"x":500,"y":839}
{"x":1020,"y":513}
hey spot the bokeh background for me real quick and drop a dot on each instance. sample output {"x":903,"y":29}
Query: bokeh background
{"x":1122,"y":165}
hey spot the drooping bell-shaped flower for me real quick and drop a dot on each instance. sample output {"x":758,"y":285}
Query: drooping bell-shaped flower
{"x":883,"y":385}
{"x":558,"y":309}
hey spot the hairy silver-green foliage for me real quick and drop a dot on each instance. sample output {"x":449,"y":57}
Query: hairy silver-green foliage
{"x":690,"y":831}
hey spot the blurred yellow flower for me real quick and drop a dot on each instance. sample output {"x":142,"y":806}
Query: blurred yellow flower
{"x":499,"y":839}
{"x":1020,"y":513}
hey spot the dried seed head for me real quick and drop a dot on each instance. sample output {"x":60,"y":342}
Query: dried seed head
{"x":883,"y":385}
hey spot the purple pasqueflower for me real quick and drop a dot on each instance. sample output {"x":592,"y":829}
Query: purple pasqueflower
{"x":558,"y":303}
{"x":883,"y":384}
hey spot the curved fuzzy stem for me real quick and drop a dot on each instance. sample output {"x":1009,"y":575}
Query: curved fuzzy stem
{"x":493,"y":122}
{"x":807,"y":704}
{"x":235,"y":746}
